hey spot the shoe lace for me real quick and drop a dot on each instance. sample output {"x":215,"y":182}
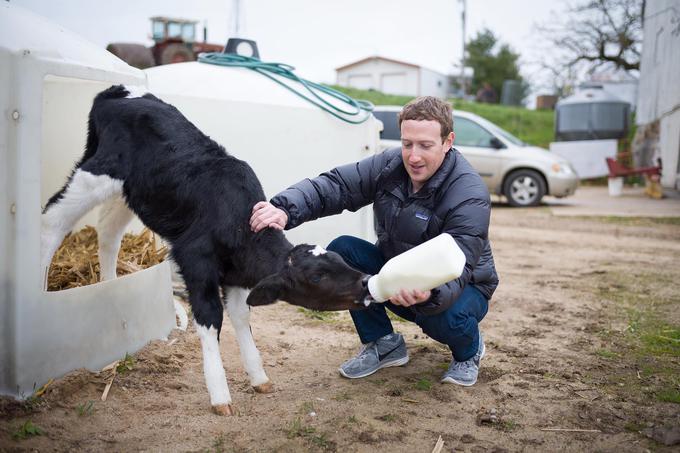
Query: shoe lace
{"x":465,"y":365}
{"x":363,"y":352}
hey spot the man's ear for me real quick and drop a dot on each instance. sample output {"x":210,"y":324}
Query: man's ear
{"x":448,"y":143}
{"x":269,"y":290}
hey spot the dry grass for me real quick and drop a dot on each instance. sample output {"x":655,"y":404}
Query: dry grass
{"x":76,"y":262}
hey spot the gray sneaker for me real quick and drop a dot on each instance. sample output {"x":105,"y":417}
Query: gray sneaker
{"x":465,"y":373}
{"x":387,"y":351}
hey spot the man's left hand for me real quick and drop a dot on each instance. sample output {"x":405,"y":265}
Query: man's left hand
{"x":406,"y":297}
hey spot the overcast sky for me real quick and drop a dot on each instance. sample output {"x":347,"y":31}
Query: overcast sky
{"x":316,"y":36}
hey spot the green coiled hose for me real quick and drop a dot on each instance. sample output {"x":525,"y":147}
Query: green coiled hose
{"x":358,"y":112}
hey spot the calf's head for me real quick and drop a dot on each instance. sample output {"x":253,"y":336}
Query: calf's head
{"x":313,"y":278}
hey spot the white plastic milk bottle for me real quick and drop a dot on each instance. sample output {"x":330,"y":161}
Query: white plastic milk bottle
{"x":424,"y":267}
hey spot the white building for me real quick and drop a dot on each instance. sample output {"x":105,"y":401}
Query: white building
{"x":658,"y":110}
{"x":393,"y":77}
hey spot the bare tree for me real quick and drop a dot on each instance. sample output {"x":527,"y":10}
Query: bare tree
{"x":591,"y":35}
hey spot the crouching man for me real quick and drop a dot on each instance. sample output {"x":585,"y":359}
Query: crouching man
{"x":418,"y":191}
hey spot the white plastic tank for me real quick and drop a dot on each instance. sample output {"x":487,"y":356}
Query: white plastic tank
{"x":48,"y":78}
{"x":591,"y":114}
{"x":283,"y":137}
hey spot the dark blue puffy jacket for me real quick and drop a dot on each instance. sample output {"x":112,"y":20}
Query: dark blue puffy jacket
{"x":454,"y":200}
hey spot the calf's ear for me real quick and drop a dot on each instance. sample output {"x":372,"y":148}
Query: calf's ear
{"x":267,"y":291}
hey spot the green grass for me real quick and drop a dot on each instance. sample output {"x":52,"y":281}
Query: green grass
{"x":219,"y":444}
{"x":26,"y":430}
{"x":423,"y":384}
{"x":662,"y":340}
{"x":633,"y":221}
{"x":550,"y":376}
{"x":343,"y":396}
{"x":387,"y":418}
{"x":309,"y":433}
{"x":307,"y":407}
{"x":535,"y":127}
{"x":31,"y":403}
{"x":606,"y":354}
{"x":296,"y":429}
{"x":376,"y":97}
{"x":394,"y":317}
{"x":669,"y":395}
{"x":325,"y":316}
{"x":651,"y":340}
{"x":634,"y":426}
{"x":507,"y":425}
{"x":126,"y":364}
{"x":395,"y":391}
{"x":85,"y":408}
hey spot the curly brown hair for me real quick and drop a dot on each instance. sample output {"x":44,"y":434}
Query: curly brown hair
{"x":429,"y":108}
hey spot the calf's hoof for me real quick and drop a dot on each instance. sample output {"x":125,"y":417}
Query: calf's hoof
{"x":223,"y":409}
{"x":267,"y":387}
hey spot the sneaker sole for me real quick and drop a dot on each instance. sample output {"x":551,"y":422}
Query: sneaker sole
{"x":397,"y":362}
{"x":451,"y":380}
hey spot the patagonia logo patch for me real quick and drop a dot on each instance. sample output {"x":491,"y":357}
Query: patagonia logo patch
{"x":422,"y":216}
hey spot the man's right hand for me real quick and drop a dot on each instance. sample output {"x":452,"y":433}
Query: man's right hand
{"x":266,"y":215}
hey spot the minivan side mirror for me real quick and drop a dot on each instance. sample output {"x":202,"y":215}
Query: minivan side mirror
{"x":496,"y":143}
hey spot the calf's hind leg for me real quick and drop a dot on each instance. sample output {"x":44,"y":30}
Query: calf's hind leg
{"x":83,"y":192}
{"x":114,"y":216}
{"x":239,"y":314}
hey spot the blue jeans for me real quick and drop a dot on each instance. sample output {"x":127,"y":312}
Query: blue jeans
{"x":456,"y":327}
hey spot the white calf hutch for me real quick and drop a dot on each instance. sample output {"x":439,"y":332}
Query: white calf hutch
{"x":48,"y":78}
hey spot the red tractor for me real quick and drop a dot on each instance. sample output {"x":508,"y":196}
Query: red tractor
{"x":175,"y":42}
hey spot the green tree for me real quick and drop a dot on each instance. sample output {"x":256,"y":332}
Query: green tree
{"x":493,"y":62}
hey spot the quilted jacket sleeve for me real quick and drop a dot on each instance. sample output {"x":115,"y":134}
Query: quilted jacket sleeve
{"x":349,"y":187}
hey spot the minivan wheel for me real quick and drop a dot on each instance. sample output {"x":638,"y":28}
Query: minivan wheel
{"x":524,"y":188}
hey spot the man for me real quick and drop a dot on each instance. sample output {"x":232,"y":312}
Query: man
{"x":418,"y":191}
{"x":486,"y":93}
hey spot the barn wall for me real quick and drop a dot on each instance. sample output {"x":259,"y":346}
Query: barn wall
{"x":659,"y":90}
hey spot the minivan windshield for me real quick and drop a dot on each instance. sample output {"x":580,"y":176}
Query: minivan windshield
{"x":506,"y":135}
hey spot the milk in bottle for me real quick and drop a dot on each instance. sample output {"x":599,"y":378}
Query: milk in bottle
{"x":422,"y":268}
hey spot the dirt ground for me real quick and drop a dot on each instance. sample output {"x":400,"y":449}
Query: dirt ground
{"x":582,"y":334}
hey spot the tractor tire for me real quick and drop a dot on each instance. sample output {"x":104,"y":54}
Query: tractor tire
{"x":133,"y":54}
{"x":524,"y":188}
{"x":176,"y":53}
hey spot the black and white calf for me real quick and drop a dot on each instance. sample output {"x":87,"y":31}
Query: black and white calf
{"x":144,"y":157}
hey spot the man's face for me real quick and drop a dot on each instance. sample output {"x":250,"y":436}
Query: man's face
{"x":422,"y":149}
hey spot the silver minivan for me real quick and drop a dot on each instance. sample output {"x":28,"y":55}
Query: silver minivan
{"x":508,"y":166}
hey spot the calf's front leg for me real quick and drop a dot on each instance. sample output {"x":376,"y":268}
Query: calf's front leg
{"x":239,"y":314}
{"x":206,"y":305}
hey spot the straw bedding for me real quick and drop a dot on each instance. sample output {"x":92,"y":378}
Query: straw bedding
{"x":76,"y":262}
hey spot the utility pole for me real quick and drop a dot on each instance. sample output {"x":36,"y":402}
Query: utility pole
{"x":236,"y":18}
{"x":462,"y":64}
